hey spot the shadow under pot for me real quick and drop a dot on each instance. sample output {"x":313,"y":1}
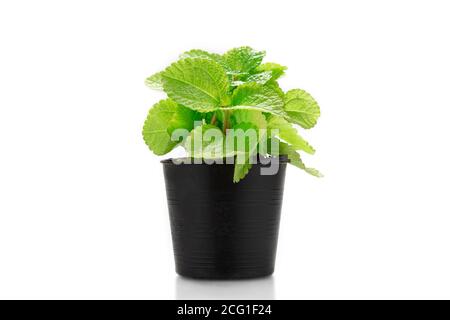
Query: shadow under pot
{"x":221,"y":229}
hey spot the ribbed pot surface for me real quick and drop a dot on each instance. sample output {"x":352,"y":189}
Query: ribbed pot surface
{"x":221,"y":229}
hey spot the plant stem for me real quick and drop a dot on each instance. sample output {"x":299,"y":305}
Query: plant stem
{"x":214,"y":119}
{"x":226,"y":120}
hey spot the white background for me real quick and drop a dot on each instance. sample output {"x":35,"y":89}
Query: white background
{"x":83,"y":212}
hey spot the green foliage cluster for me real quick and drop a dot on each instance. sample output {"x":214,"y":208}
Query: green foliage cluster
{"x":235,"y":90}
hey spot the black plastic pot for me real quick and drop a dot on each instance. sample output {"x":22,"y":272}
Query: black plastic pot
{"x":221,"y":229}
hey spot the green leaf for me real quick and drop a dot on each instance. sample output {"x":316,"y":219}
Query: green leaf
{"x":245,"y":143}
{"x":289,"y":134}
{"x":201,"y":54}
{"x":240,"y":171}
{"x":199,"y":84}
{"x":244,"y":132}
{"x":155,"y":132}
{"x":263,"y":74}
{"x":246,"y":120}
{"x":294,"y":157}
{"x":155,"y":81}
{"x":301,"y":108}
{"x":261,"y":78}
{"x":205,"y":141}
{"x":276,"y":70}
{"x":184,"y":118}
{"x":276,"y":87}
{"x":253,"y":96}
{"x":251,"y":116}
{"x":243,"y":59}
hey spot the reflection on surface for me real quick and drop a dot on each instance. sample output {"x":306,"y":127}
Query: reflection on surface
{"x":260,"y":289}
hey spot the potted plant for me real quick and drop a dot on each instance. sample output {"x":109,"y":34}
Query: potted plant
{"x":238,"y":128}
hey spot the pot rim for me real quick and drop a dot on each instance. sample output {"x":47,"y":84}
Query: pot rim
{"x":282,"y":159}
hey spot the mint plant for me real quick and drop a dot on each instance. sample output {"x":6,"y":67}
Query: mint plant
{"x":209,"y":92}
